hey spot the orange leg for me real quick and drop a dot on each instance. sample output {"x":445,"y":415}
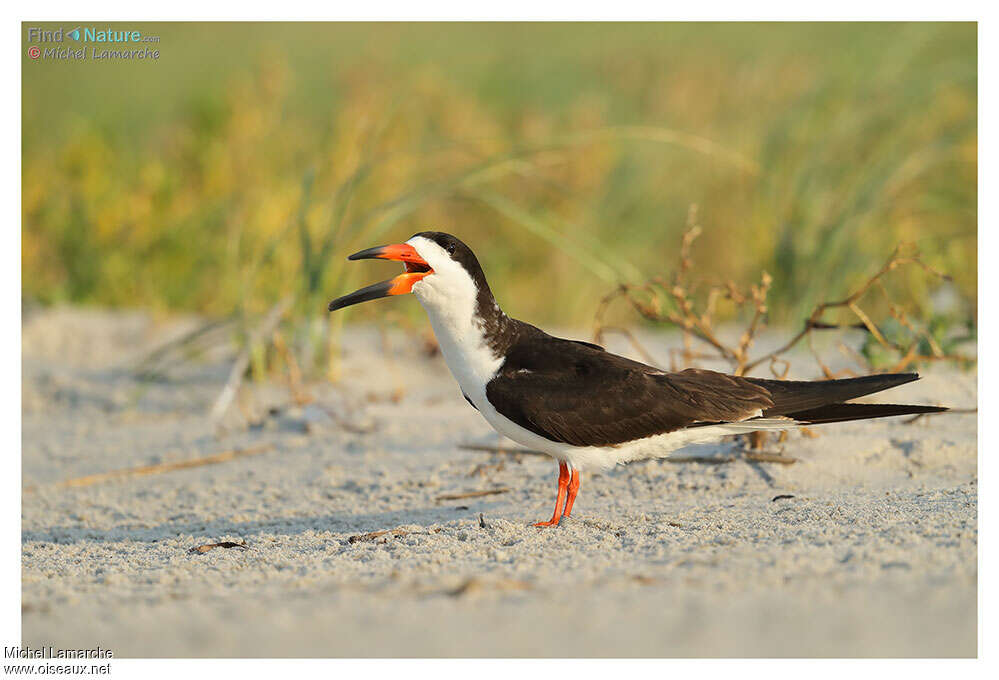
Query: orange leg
{"x":563,"y":482}
{"x":573,"y":490}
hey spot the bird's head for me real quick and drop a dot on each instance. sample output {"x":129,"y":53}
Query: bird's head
{"x":440,"y":271}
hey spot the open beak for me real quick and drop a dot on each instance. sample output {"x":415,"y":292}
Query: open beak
{"x":416,"y":269}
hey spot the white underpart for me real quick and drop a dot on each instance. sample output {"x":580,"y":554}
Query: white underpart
{"x":449,"y":295}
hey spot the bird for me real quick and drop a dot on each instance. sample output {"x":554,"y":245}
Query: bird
{"x":588,"y":408}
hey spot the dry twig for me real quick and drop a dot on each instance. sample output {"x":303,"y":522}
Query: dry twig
{"x":747,"y":455}
{"x":501,"y":450}
{"x":471,"y":494}
{"x":224,"y":544}
{"x":159,"y":468}
{"x":764,"y":457}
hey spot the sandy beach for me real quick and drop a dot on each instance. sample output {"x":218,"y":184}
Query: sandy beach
{"x":866,"y":546}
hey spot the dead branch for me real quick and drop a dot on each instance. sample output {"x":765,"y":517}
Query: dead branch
{"x":471,"y":494}
{"x":201,"y":549}
{"x":756,"y":457}
{"x":703,"y":460}
{"x":669,"y":300}
{"x":501,"y":450}
{"x":764,"y":457}
{"x":160,"y":468}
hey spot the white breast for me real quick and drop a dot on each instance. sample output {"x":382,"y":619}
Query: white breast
{"x":460,"y":336}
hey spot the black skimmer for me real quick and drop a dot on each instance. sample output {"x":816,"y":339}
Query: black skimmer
{"x":583,"y":406}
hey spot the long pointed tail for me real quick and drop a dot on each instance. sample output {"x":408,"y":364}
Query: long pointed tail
{"x":792,"y":396}
{"x":798,"y":403}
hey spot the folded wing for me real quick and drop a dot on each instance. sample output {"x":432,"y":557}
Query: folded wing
{"x":581,"y":395}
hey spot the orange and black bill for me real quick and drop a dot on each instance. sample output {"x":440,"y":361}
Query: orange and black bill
{"x":416,"y":269}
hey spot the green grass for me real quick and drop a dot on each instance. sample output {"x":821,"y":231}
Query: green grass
{"x":249,"y":160}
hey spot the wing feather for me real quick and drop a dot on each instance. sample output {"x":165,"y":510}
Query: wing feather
{"x":582,"y":395}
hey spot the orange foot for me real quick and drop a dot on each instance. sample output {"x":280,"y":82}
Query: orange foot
{"x":563,"y":484}
{"x":549,"y":523}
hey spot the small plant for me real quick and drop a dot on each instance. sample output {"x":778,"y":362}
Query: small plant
{"x":901,"y":342}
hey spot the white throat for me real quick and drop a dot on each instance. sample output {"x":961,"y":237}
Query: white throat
{"x":449,"y":298}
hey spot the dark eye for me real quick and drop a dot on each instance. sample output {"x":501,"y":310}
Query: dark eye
{"x":449,"y":248}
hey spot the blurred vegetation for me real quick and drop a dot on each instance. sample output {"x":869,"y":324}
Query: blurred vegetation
{"x":250,"y":159}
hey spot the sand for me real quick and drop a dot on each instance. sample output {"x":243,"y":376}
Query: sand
{"x":867,"y":546}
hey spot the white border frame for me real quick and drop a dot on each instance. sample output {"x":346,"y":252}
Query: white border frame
{"x":431,"y":10}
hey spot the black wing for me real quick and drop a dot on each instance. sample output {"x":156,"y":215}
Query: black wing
{"x":577,"y":393}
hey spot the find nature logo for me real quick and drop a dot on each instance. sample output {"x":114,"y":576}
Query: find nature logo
{"x":95,"y":43}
